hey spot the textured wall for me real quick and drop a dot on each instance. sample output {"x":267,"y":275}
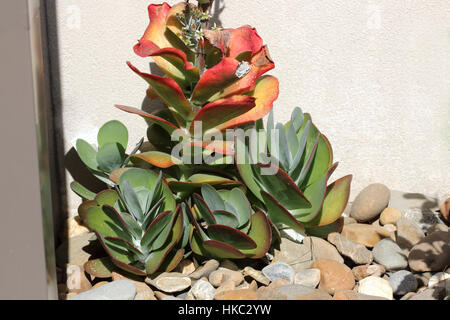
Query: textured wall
{"x":374,"y":74}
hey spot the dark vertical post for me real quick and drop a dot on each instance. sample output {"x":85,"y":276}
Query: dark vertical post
{"x":27,"y":263}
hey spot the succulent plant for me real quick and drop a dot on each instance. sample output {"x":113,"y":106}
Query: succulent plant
{"x":297,"y":194}
{"x":138,"y":224}
{"x":112,"y":140}
{"x":225,"y":226}
{"x":211,"y":76}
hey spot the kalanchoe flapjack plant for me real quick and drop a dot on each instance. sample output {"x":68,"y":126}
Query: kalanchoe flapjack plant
{"x":296,"y":194}
{"x":138,"y":224}
{"x":215,"y":77}
{"x":212,"y":76}
{"x":225,"y":226}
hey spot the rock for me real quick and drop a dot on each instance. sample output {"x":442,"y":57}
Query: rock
{"x":203,"y":290}
{"x":390,"y":255}
{"x":408,"y":296}
{"x":170,"y":298}
{"x":425,"y":218}
{"x":216,"y":278}
{"x":352,"y":295}
{"x":287,"y":292}
{"x":390,"y":228}
{"x":307,"y":278}
{"x":370,"y":202}
{"x":138,"y":281}
{"x":116,"y":290}
{"x":170,"y":282}
{"x":185,"y":267}
{"x":242,"y":294}
{"x":278,"y":283}
{"x":99,"y":284}
{"x":228,"y":285}
{"x":257,"y":275}
{"x":145,"y":295}
{"x":279,"y":270}
{"x":205,"y":270}
{"x":76,"y":279}
{"x":440,"y":279}
{"x":403,"y":282}
{"x":361,"y":272}
{"x":298,"y":256}
{"x":390,"y":215}
{"x":321,"y":249}
{"x":445,"y":210}
{"x":334,"y":276}
{"x":375,"y":286}
{"x":355,"y":251}
{"x":77,"y":250}
{"x":349,"y":220}
{"x":364,"y":234}
{"x":72,"y":228}
{"x":435,"y":293}
{"x":408,"y":233}
{"x":432,"y":253}
{"x":437,"y":227}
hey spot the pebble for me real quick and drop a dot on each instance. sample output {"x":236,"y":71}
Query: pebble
{"x":361,"y":272}
{"x":205,"y":270}
{"x":170,"y":282}
{"x":437,"y":227}
{"x":308,"y":278}
{"x":365,"y":234}
{"x":370,"y":202}
{"x":390,"y":216}
{"x":203,"y":290}
{"x":432,"y":253}
{"x":352,"y":295}
{"x":230,"y":265}
{"x":322,"y":249}
{"x":390,"y":255}
{"x":349,"y":220}
{"x":441,"y":279}
{"x":445,"y":210}
{"x":185,"y":267}
{"x":242,"y":294}
{"x":357,"y":252}
{"x":435,"y":293}
{"x":257,"y":275}
{"x":216,"y":278}
{"x":334,"y":276}
{"x":116,"y":290}
{"x":375,"y":286}
{"x":408,"y":233}
{"x":138,"y":281}
{"x":228,"y":285}
{"x":423,"y":217}
{"x":286,"y":292}
{"x":390,"y":227}
{"x":298,"y":256}
{"x":279,"y":270}
{"x":145,"y":295}
{"x":403,"y":282}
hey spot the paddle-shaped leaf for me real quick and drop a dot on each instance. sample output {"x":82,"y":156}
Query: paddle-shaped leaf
{"x":231,"y":236}
{"x":113,"y":132}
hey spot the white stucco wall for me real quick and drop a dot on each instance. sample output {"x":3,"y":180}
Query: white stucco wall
{"x":374,"y":74}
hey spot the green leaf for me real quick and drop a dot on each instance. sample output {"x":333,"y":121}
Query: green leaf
{"x":156,"y":227}
{"x":123,"y":244}
{"x":98,"y":220}
{"x":212,"y":198}
{"x":131,"y":200}
{"x":113,"y":132}
{"x":226,"y":218}
{"x":87,"y":154}
{"x":231,"y":236}
{"x":82,"y":191}
{"x":222,"y":250}
{"x":280,"y":215}
{"x":324,"y":231}
{"x":204,"y":210}
{"x":110,"y":157}
{"x":261,"y":233}
{"x":242,"y":205}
